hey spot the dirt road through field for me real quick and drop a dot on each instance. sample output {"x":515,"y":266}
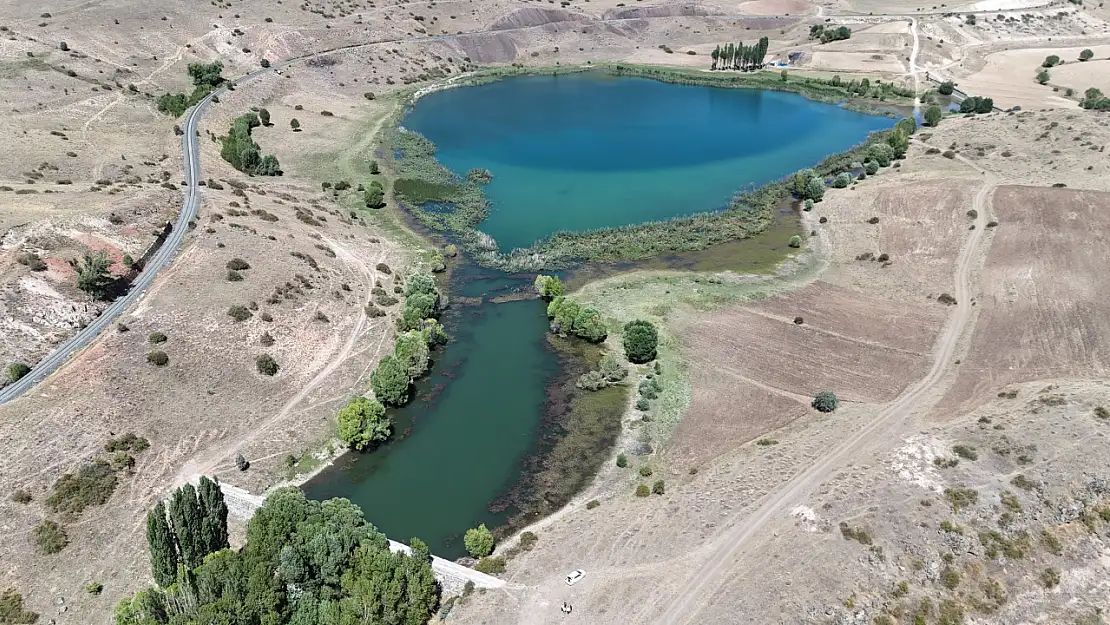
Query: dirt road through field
{"x":702,"y":583}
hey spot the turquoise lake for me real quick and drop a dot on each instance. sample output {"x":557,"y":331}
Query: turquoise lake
{"x":585,"y":150}
{"x":569,"y":152}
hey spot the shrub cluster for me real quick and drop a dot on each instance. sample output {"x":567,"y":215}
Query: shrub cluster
{"x":243,"y":153}
{"x":569,"y":317}
{"x":206,"y":77}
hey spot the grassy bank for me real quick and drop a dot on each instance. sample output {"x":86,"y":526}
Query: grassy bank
{"x":445,"y":202}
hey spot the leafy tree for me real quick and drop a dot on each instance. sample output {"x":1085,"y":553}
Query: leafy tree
{"x":1042,"y":76}
{"x":548,"y":287}
{"x":363,"y":422}
{"x":984,"y":105}
{"x":411,"y":348}
{"x":478,"y":541}
{"x":93,"y":276}
{"x":907,"y":125}
{"x":391,"y":381}
{"x":825,"y":401}
{"x":795,"y":241}
{"x":1051,"y":61}
{"x":185,"y":519}
{"x":17,"y":370}
{"x":1094,"y":100}
{"x":899,"y":143}
{"x":801,"y":180}
{"x":640,"y":341}
{"x":206,"y":75}
{"x":162,"y":546}
{"x":933,"y":115}
{"x":422,"y":283}
{"x":589,"y":325}
{"x":871,"y":167}
{"x":213,"y":528}
{"x":1086,"y":55}
{"x":264,"y":117}
{"x":880,"y":153}
{"x":295,"y":124}
{"x":305,"y":562}
{"x":815,"y":189}
{"x":418,"y":307}
{"x":172,"y":104}
{"x":842,"y":180}
{"x":374,"y":196}
{"x":563,"y":311}
{"x":946,"y":88}
{"x":266,"y":364}
{"x":265,"y":63}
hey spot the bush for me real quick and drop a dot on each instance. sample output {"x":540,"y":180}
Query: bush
{"x":22,"y":496}
{"x":266,"y":364}
{"x":295,"y":124}
{"x":643,"y":491}
{"x":1086,"y":55}
{"x":11,"y":608}
{"x":871,"y":167}
{"x":950,"y":578}
{"x":966,"y":452}
{"x":548,"y":287}
{"x":478,"y":541}
{"x":593,"y":503}
{"x":645,"y":471}
{"x":946,"y":88}
{"x":241,"y":462}
{"x":239,"y":313}
{"x":266,"y":340}
{"x":127,"y":442}
{"x":32,"y":261}
{"x":1051,"y":61}
{"x":843,"y":179}
{"x":92,"y":485}
{"x":1043,"y":76}
{"x":156,"y":337}
{"x":363,"y":422}
{"x":17,"y":370}
{"x":491,"y":565}
{"x":658,"y":487}
{"x":933,"y":115}
{"x":795,"y":241}
{"x":95,"y":588}
{"x":825,"y":401}
{"x":961,"y":497}
{"x":234,"y":276}
{"x":158,"y":358}
{"x":640,"y":341}
{"x":873,"y":221}
{"x":50,"y":537}
{"x":808,"y":206}
{"x":643,"y":405}
{"x":622,"y":460}
{"x":1050,"y":577}
{"x":238,"y":264}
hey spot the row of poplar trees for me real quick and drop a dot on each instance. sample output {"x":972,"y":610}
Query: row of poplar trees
{"x":194,"y":526}
{"x":740,"y":56}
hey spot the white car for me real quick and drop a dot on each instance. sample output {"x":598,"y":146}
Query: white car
{"x":575,"y":576}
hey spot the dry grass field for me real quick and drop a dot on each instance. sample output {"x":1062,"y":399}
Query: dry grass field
{"x":1042,"y":313}
{"x":89,"y":164}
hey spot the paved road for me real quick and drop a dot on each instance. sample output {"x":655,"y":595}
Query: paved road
{"x":191,"y":150}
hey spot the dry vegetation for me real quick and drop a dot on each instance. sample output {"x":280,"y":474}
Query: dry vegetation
{"x":91,"y":165}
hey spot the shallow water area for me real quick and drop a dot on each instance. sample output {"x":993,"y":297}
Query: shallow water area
{"x":585,"y":150}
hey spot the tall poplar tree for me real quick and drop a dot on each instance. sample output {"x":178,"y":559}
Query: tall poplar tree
{"x":163,"y":548}
{"x":213,"y":516}
{"x":185,"y":517}
{"x":716,"y":54}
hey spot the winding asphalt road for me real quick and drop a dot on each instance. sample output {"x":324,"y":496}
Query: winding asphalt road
{"x":191,"y":150}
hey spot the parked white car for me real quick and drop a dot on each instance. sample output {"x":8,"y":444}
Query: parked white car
{"x":575,"y":576}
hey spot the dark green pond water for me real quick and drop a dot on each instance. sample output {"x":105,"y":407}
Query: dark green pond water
{"x":569,"y":152}
{"x":585,"y":150}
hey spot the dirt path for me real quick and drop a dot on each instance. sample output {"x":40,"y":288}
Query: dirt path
{"x":214,"y":459}
{"x":701,"y":584}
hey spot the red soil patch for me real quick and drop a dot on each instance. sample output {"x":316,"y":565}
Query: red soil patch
{"x":1044,"y":310}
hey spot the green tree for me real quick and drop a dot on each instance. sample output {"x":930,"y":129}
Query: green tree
{"x":801,"y":179}
{"x":899,"y":143}
{"x":1051,"y":61}
{"x":562,"y":311}
{"x":391,"y":381}
{"x":93,"y":276}
{"x":264,"y":117}
{"x":1043,"y":76}
{"x":374,"y":169}
{"x":589,"y":325}
{"x":17,"y":370}
{"x":478,"y":541}
{"x":548,"y":287}
{"x":933,"y":115}
{"x":213,"y":528}
{"x":295,"y":124}
{"x":815,"y":189}
{"x":1086,"y":55}
{"x":411,"y":348}
{"x":871,"y":167}
{"x":881,"y":153}
{"x":374,"y":196}
{"x":418,"y":307}
{"x":185,"y":518}
{"x":842,"y":180}
{"x":907,"y":125}
{"x":715,"y":54}
{"x":946,"y":88}
{"x":984,"y":105}
{"x":825,"y":401}
{"x":162,"y":546}
{"x":422,"y":283}
{"x":363,"y":422}
{"x":640,"y":341}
